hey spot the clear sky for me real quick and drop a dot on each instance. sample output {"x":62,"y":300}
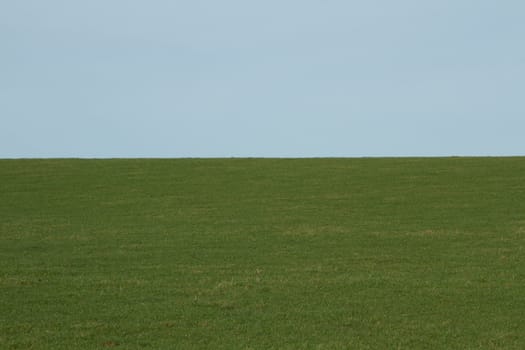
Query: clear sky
{"x":273,"y":78}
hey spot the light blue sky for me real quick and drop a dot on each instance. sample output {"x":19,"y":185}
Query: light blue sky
{"x":298,"y":78}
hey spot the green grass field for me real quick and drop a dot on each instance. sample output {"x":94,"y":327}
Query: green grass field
{"x":406,"y":253}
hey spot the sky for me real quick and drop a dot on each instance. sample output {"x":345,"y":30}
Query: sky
{"x":273,"y":78}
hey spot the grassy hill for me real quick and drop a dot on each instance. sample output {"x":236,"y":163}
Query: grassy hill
{"x":262,"y":253}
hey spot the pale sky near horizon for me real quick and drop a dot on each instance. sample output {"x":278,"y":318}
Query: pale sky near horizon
{"x":237,"y":78}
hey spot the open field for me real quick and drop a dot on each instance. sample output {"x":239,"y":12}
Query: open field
{"x":262,"y":253}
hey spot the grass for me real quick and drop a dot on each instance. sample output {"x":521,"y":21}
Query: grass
{"x":262,"y":253}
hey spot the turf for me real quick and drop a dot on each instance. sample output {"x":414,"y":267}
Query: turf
{"x":262,"y":253}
